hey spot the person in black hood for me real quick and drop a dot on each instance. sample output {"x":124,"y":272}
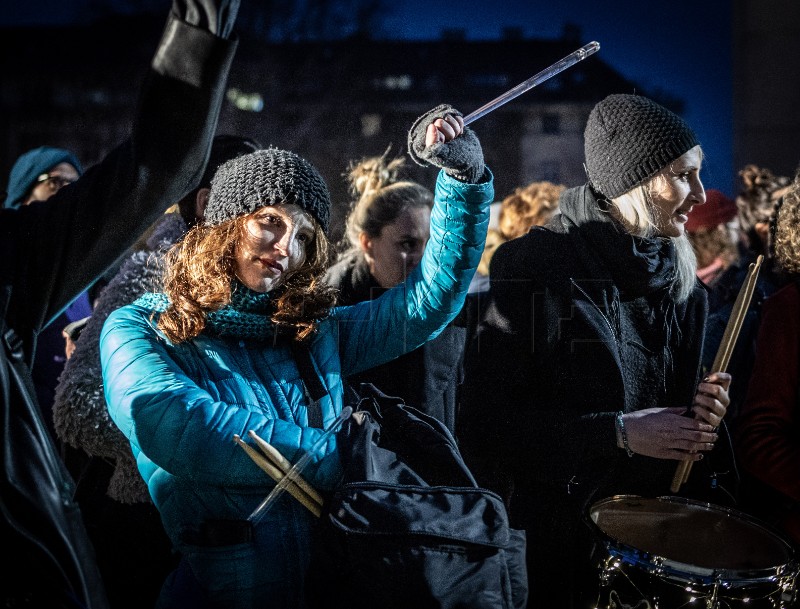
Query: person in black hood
{"x":51,"y":251}
{"x":587,"y":359}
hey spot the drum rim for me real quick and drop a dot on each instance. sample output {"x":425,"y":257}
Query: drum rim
{"x":642,"y":558}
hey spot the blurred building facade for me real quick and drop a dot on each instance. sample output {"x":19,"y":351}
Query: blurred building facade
{"x":766,"y":84}
{"x":330,"y":101}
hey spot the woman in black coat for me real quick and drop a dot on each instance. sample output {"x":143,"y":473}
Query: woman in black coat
{"x":588,"y":356}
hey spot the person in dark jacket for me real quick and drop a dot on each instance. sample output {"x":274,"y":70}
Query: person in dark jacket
{"x":36,"y":176}
{"x":51,"y":251}
{"x":386,"y":233}
{"x":767,"y":435}
{"x":586,"y":361}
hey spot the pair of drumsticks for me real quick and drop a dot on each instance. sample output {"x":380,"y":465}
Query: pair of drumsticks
{"x":725,"y":351}
{"x":278,"y":467}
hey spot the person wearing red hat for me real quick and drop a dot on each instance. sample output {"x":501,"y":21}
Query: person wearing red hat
{"x":715,"y":243}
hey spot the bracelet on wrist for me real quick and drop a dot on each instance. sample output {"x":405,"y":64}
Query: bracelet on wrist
{"x":620,"y":427}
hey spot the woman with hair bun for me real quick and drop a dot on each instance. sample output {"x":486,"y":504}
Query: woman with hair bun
{"x":385,"y":235}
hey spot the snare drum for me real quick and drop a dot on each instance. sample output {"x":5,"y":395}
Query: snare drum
{"x":670,"y":552}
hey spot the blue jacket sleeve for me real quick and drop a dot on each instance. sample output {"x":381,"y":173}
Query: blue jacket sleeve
{"x":408,"y":315}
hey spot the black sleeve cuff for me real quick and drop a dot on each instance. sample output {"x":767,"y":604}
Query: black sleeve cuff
{"x":191,"y":55}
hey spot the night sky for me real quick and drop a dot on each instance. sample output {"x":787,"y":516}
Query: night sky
{"x":681,"y":47}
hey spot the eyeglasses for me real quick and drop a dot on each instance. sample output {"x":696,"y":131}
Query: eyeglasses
{"x":54,"y":181}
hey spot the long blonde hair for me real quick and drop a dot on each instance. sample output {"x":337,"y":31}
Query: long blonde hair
{"x":200,"y":272}
{"x":635,"y":208}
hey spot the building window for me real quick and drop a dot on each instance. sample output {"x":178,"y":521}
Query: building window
{"x":370,"y":125}
{"x":551,"y":124}
{"x":400,"y":82}
{"x":550,"y":171}
{"x":249,"y":102}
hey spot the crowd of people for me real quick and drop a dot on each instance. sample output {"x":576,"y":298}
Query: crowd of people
{"x":184,"y":292}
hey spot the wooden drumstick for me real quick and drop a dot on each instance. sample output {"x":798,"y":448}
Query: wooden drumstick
{"x":275,"y":456}
{"x":725,"y":351}
{"x":723,"y":355}
{"x":309,"y":502}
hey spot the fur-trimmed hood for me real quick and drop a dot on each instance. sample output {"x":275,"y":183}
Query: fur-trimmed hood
{"x":79,"y":412}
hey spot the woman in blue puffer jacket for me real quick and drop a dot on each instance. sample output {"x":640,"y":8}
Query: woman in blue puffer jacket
{"x":217,"y":355}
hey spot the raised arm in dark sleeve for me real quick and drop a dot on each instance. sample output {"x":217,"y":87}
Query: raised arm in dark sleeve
{"x":51,"y":251}
{"x":63,"y":244}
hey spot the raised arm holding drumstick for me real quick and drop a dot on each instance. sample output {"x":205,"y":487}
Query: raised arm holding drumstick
{"x":240,"y":340}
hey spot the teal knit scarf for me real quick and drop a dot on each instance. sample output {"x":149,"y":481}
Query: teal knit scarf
{"x":247,"y":316}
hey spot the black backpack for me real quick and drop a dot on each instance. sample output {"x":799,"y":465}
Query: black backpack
{"x":408,"y":526}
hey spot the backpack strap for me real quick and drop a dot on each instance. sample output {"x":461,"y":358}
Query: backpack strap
{"x":312,"y":381}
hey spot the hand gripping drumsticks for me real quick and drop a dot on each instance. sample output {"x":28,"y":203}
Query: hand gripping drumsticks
{"x":290,"y":477}
{"x":276,"y":466}
{"x":725,"y":351}
{"x":537,"y":79}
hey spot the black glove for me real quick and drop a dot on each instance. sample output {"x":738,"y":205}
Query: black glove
{"x":461,"y":158}
{"x":216,"y":16}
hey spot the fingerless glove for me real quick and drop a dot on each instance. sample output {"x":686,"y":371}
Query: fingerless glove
{"x":461,"y":158}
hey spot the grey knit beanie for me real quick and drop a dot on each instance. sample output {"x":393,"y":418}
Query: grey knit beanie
{"x":629,"y":138}
{"x":267,"y":177}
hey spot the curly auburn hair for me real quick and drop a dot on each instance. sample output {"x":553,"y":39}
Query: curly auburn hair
{"x":756,"y":200}
{"x":201,"y":269}
{"x":531,"y":205}
{"x":787,"y":229}
{"x":527,"y":206}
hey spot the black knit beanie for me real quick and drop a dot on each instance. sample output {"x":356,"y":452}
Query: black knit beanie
{"x":267,"y":177}
{"x":629,"y":138}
